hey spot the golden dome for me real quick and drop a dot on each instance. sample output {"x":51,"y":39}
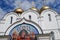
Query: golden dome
{"x":33,"y":8}
{"x":18,"y":10}
{"x":44,"y":8}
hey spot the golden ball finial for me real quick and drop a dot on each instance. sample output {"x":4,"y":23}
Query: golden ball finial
{"x":19,"y":11}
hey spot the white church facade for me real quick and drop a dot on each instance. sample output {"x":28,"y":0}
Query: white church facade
{"x":43,"y":23}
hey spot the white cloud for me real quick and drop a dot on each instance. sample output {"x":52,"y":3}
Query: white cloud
{"x":39,"y":1}
{"x":49,"y":1}
{"x":17,"y":4}
{"x":2,"y":13}
{"x":24,"y":5}
{"x":9,"y":1}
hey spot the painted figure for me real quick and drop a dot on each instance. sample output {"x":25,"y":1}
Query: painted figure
{"x":14,"y":36}
{"x":32,"y":36}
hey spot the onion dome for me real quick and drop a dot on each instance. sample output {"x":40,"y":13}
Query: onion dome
{"x":19,"y":11}
{"x":34,"y":9}
{"x":44,"y":8}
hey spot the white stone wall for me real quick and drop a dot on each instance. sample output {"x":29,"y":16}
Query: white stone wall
{"x":58,"y":20}
{"x":47,"y":25}
{"x":42,"y":19}
{"x":5,"y":22}
{"x":34,"y":15}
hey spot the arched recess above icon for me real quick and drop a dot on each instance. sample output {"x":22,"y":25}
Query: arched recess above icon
{"x":23,"y":22}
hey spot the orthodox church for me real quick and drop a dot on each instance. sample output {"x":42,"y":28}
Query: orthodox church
{"x":44,"y":24}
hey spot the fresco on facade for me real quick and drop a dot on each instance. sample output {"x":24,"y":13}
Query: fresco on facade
{"x":28,"y":28}
{"x":23,"y":32}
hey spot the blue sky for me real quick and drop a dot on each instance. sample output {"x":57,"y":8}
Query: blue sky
{"x":10,"y":5}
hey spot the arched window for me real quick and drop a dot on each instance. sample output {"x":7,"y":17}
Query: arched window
{"x":11,"y":20}
{"x":49,"y":17}
{"x":30,"y":17}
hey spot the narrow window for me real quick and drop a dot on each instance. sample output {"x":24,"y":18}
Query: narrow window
{"x":30,"y":17}
{"x":49,"y":17}
{"x":11,"y":20}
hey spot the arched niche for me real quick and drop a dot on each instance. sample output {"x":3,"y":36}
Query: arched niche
{"x":10,"y":18}
{"x":10,"y":13}
{"x":23,"y":22}
{"x":49,"y":19}
{"x":30,"y":15}
{"x":48,"y":10}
